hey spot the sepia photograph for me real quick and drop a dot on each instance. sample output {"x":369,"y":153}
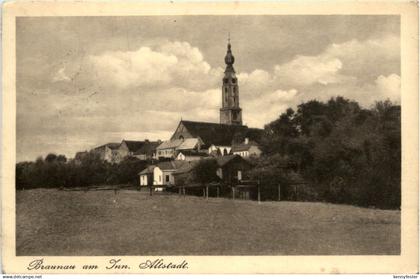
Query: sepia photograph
{"x":207,"y":135}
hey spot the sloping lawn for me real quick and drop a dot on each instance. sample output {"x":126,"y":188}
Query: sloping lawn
{"x":99,"y":223}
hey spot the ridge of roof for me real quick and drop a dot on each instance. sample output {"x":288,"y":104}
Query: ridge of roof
{"x":111,"y":145}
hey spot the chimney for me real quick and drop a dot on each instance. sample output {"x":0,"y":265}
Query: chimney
{"x":246,"y":141}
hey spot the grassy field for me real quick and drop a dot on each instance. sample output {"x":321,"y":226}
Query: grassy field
{"x":53,"y":222}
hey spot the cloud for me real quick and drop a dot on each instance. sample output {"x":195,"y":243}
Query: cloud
{"x":389,"y":87}
{"x":170,"y":64}
{"x":307,"y":70}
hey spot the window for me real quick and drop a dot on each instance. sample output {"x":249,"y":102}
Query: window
{"x":239,"y":175}
{"x":167,"y":178}
{"x":234,"y":80}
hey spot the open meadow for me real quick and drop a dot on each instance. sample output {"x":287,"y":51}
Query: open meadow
{"x":99,"y":223}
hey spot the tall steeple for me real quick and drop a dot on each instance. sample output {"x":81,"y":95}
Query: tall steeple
{"x":230,"y":113}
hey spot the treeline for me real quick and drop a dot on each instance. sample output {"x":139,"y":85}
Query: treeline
{"x":56,"y":171}
{"x":335,"y":152}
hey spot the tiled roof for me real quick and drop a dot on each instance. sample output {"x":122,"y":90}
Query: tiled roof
{"x":148,"y":148}
{"x":148,"y":170}
{"x":170,"y":144}
{"x":133,"y":145}
{"x":111,"y":145}
{"x":243,"y":146}
{"x":223,"y":160}
{"x":220,"y":134}
{"x":189,"y":143}
{"x":171,"y":165}
{"x":187,"y":167}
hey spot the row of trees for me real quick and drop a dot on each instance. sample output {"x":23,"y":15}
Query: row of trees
{"x":56,"y":171}
{"x":345,"y":153}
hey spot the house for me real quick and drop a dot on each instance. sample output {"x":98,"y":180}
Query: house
{"x":247,"y":149}
{"x":146,"y":176}
{"x":128,"y":147}
{"x":161,"y":174}
{"x":190,"y":155}
{"x":167,"y":148}
{"x":107,"y":152}
{"x":216,"y":138}
{"x":232,"y":168}
{"x":147,"y":151}
{"x":190,"y":144}
{"x":183,"y":175}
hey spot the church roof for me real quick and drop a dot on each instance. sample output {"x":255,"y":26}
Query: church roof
{"x":220,"y":134}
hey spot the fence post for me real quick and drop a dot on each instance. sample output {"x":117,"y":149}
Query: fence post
{"x":278,"y":188}
{"x":217,"y":188}
{"x":150,"y":191}
{"x":259,"y":193}
{"x":207,"y":192}
{"x":204,"y":192}
{"x":233,"y":192}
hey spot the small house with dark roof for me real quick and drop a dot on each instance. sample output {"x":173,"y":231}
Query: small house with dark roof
{"x":146,"y":176}
{"x":232,"y":168}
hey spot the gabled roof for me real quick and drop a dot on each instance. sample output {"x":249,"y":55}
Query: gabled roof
{"x":186,"y":167}
{"x":133,"y":145}
{"x":147,"y":170}
{"x":223,"y":160}
{"x":148,"y":148}
{"x":189,"y":143}
{"x":243,"y":146}
{"x":110,"y":145}
{"x":220,"y":134}
{"x":171,"y":165}
{"x":170,"y":144}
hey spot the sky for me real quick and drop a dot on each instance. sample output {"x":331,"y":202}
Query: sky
{"x":86,"y":81}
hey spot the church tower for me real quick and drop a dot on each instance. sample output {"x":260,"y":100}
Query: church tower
{"x":230,"y":113}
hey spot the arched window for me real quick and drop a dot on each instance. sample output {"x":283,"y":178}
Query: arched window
{"x":225,"y":152}
{"x":181,"y":137}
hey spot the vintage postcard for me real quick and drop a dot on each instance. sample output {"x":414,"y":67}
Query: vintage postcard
{"x":210,"y":137}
